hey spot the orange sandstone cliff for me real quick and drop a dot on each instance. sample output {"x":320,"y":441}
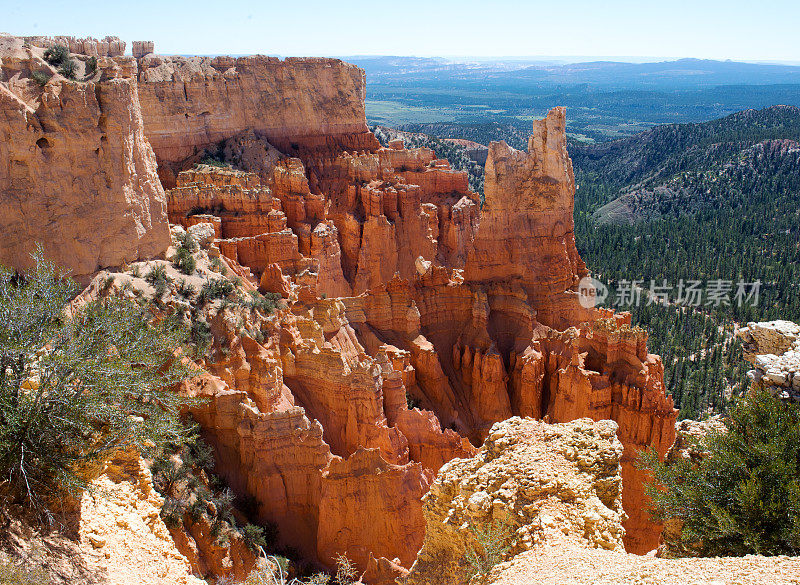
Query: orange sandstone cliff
{"x":414,"y":319}
{"x":194,"y":104}
{"x":77,"y":173}
{"x":473,"y":312}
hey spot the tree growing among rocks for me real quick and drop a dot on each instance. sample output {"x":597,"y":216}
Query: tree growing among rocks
{"x":78,"y":385}
{"x":743,"y":496}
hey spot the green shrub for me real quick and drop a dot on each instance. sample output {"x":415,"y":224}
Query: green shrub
{"x":490,"y":547}
{"x":218,"y":288}
{"x":213,"y":162}
{"x":106,"y":285}
{"x":68,"y":69}
{"x":186,"y":240}
{"x":253,"y":537}
{"x":185,"y":261}
{"x":186,"y":289}
{"x":265,"y":303}
{"x":197,"y":454}
{"x":218,"y":266}
{"x":197,"y":508}
{"x":40,"y":77}
{"x":223,"y":503}
{"x":158,"y":279}
{"x":75,"y":389}
{"x":91,"y":66}
{"x":201,"y":337}
{"x":744,"y":496}
{"x":56,"y":55}
{"x":172,"y":512}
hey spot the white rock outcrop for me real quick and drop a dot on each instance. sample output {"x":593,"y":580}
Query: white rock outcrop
{"x":773,"y":347}
{"x":530,"y":483}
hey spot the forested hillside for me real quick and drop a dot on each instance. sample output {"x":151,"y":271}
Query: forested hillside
{"x":661,"y":152}
{"x":717,"y":203}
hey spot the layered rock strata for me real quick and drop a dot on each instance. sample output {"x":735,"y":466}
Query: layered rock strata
{"x":480,"y":304}
{"x":193,"y":104}
{"x":318,"y":433}
{"x":77,"y":173}
{"x":413,"y":321}
{"x":106,"y":47}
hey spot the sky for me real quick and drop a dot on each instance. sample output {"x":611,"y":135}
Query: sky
{"x":711,"y":29}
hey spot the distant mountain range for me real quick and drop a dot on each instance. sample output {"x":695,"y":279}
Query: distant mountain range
{"x":604,"y":99}
{"x":683,"y":73}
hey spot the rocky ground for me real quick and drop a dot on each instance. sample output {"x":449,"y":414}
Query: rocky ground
{"x":570,"y":564}
{"x":113,"y":536}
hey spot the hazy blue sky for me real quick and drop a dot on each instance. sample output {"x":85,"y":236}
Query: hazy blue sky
{"x":717,"y":29}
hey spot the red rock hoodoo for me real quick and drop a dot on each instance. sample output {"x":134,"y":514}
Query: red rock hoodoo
{"x":414,"y":319}
{"x":472,"y":314}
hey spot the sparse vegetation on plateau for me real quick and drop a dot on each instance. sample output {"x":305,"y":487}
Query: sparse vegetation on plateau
{"x":184,"y":259}
{"x":56,"y":55}
{"x":91,"y":66}
{"x":266,"y":303}
{"x":40,"y":77}
{"x":68,"y":69}
{"x":158,"y":279}
{"x":215,"y":160}
{"x":217,"y":288}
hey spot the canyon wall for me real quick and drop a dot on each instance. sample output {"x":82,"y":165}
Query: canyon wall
{"x":477,"y":311}
{"x":193,"y":104}
{"x":412,"y":320}
{"x":77,"y":173}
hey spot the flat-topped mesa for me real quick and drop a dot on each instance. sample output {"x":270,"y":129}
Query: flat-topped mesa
{"x":192,"y":104}
{"x":526,"y":232}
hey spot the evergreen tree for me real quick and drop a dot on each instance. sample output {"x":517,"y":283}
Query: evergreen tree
{"x":743,"y":497}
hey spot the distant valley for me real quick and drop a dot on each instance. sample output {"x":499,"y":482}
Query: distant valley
{"x":605,"y":100}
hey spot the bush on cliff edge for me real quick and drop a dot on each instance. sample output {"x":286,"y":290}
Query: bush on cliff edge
{"x":76,"y":388}
{"x":743,"y":497}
